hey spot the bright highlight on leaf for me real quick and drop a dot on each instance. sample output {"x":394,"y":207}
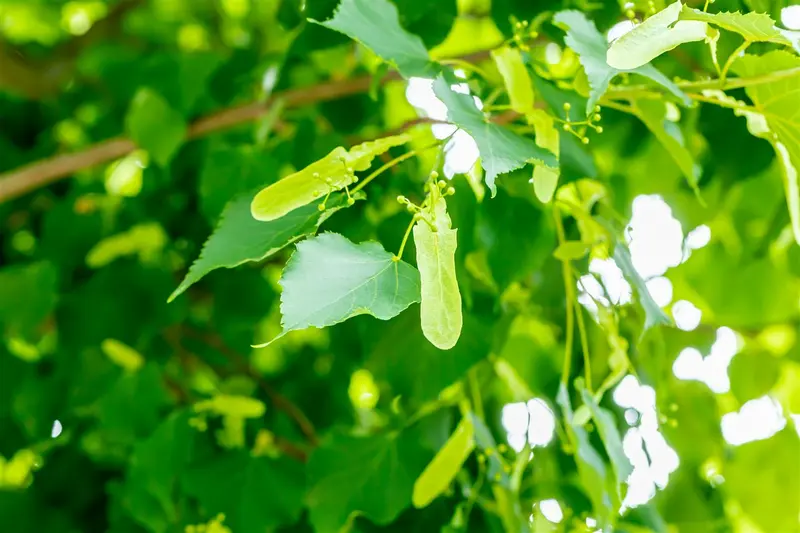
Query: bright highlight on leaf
{"x":333,"y":172}
{"x":515,"y":77}
{"x":440,"y":306}
{"x":658,"y":34}
{"x":330,"y":279}
{"x":376,"y":24}
{"x":124,"y":177}
{"x":444,"y":467}
{"x":501,"y":149}
{"x":590,"y":45}
{"x":754,"y":27}
{"x":122,"y":355}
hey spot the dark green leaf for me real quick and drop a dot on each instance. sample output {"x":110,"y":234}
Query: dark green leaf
{"x":155,"y":126}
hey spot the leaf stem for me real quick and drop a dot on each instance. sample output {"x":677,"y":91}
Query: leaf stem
{"x":731,"y":58}
{"x":587,"y":362}
{"x":399,"y":255}
{"x":475,"y":390}
{"x":397,"y":160}
{"x":568,"y":291}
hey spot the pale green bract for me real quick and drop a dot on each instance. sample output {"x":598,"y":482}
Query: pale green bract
{"x":515,"y":77}
{"x":545,"y":179}
{"x":779,"y":103}
{"x":440,"y":306}
{"x":501,"y":149}
{"x":754,"y":27}
{"x":376,"y":24}
{"x":658,"y":34}
{"x":330,"y":279}
{"x":331,"y":173}
{"x":444,"y":467}
{"x":591,"y":47}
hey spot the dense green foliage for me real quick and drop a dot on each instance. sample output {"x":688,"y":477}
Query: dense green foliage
{"x":257,"y":290}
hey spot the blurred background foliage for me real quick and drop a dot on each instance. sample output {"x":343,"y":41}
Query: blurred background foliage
{"x":113,"y":413}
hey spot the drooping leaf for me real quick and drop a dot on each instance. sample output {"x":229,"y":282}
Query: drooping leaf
{"x":330,"y":279}
{"x":331,"y":173}
{"x":658,"y":34}
{"x":440,"y":304}
{"x":583,"y":38}
{"x":609,"y":434}
{"x":376,"y":24}
{"x":545,"y":179}
{"x":501,"y":149}
{"x":777,"y":101}
{"x":654,"y":316}
{"x":444,"y":467}
{"x":254,"y":493}
{"x":239,"y":238}
{"x":654,"y":115}
{"x":516,"y":79}
{"x":373,"y":476}
{"x":754,"y":27}
{"x":155,"y":126}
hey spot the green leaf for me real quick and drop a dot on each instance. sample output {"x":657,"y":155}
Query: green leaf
{"x":444,"y":467}
{"x":501,"y":149}
{"x":485,"y":441}
{"x":515,"y":77}
{"x":333,"y":172}
{"x":376,"y":24}
{"x":124,"y":177}
{"x":545,"y":179}
{"x":590,"y":45}
{"x":440,"y":304}
{"x":762,"y":476}
{"x":654,"y":316}
{"x":609,"y":434}
{"x":372,"y":476}
{"x":330,"y":279}
{"x":654,"y":115}
{"x":28,"y":293}
{"x":155,"y":126}
{"x":254,"y":493}
{"x":239,"y":238}
{"x":571,"y":250}
{"x":777,"y":101}
{"x":754,"y":27}
{"x":658,"y":34}
{"x":143,"y":240}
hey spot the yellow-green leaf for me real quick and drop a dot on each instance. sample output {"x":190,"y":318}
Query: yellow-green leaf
{"x":444,"y":467}
{"x":440,"y":306}
{"x":571,"y":250}
{"x":124,"y":177}
{"x":333,"y":172}
{"x":122,"y":355}
{"x":660,"y":33}
{"x":230,"y":405}
{"x":545,"y":179}
{"x":515,"y":77}
{"x":144,"y":240}
{"x":755,"y":27}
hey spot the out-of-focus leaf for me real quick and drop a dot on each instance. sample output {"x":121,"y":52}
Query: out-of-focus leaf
{"x":657,"y":34}
{"x":144,"y":240}
{"x":373,"y":476}
{"x":754,"y":27}
{"x":444,"y":467}
{"x":516,"y":79}
{"x":124,"y":177}
{"x":155,"y":126}
{"x":239,"y":238}
{"x":654,"y":316}
{"x":440,"y":301}
{"x":27,"y":294}
{"x":375,"y":23}
{"x":329,"y":279}
{"x":501,"y":149}
{"x":254,"y":493}
{"x":545,"y":179}
{"x":762,"y":476}
{"x":583,"y":38}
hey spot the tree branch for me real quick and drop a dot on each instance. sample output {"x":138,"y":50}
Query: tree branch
{"x":35,"y":175}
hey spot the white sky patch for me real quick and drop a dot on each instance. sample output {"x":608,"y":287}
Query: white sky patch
{"x":619,"y":29}
{"x":57,"y":429}
{"x":790,"y":17}
{"x":686,"y":315}
{"x":712,"y":370}
{"x":655,"y":236}
{"x":757,"y":420}
{"x":533,"y":420}
{"x":660,"y":289}
{"x":652,"y":458}
{"x":551,"y":510}
{"x":698,"y":237}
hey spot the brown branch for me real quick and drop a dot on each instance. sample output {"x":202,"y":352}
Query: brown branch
{"x":30,"y":177}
